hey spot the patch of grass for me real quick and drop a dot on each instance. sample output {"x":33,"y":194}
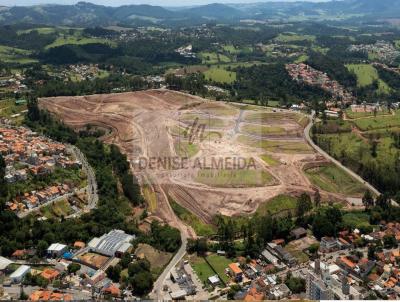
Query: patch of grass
{"x":298,"y":254}
{"x":366,"y":75}
{"x":333,"y":179}
{"x":269,"y":160}
{"x":15,"y":55}
{"x":355,"y":115}
{"x":379,"y":122}
{"x":214,"y":58}
{"x":150,"y":197}
{"x":278,"y":204}
{"x":356,"y":219}
{"x":201,"y":228}
{"x":77,"y":40}
{"x":207,"y":120}
{"x":61,"y":208}
{"x":202,"y":269}
{"x":186,"y":149}
{"x":219,"y":264}
{"x":237,"y":178}
{"x":8,"y":108}
{"x":292,"y":37}
{"x":262,"y":130}
{"x":40,"y":30}
{"x":158,"y":259}
{"x":289,"y":147}
{"x":220,"y":75}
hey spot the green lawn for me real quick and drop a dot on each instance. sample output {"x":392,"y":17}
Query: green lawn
{"x":366,"y":75}
{"x":356,"y":219}
{"x":276,"y":146}
{"x":219,"y":264}
{"x":202,"y":269}
{"x":262,"y":130}
{"x":292,"y":37}
{"x":77,"y":40}
{"x":214,"y":58}
{"x":210,"y":122}
{"x":185,"y":149}
{"x":58,"y":209}
{"x":40,"y":30}
{"x":221,"y":75}
{"x":379,"y":122}
{"x":9,"y":108}
{"x":15,"y":55}
{"x":201,"y":228}
{"x":333,"y":179}
{"x":237,"y":178}
{"x":355,"y":115}
{"x":277,"y":204}
{"x":269,"y":160}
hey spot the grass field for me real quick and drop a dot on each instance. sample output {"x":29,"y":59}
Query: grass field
{"x":221,"y":75}
{"x":15,"y":55}
{"x":356,"y":219}
{"x":292,"y":37}
{"x":40,"y":30}
{"x":189,"y":218}
{"x":158,"y":259}
{"x":268,"y":159}
{"x":77,"y":40}
{"x":262,"y":130}
{"x":280,"y":203}
{"x":57,"y":209}
{"x":276,"y":146}
{"x":219,"y":264}
{"x":267,"y":117}
{"x":366,"y":75}
{"x":205,"y":119}
{"x":9,"y":108}
{"x":295,"y":252}
{"x":355,"y":115}
{"x":185,"y":149}
{"x":213,"y":58}
{"x":202,"y":269}
{"x":332,"y":179}
{"x":151,"y":198}
{"x":379,"y":122}
{"x":240,"y":178}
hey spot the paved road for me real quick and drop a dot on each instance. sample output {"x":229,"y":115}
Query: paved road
{"x":92,"y":195}
{"x":157,"y":293}
{"x":337,"y":163}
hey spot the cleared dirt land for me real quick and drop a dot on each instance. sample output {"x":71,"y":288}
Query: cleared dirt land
{"x":209,"y":157}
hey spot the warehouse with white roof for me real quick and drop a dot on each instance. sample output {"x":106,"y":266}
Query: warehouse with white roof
{"x":115,"y":243}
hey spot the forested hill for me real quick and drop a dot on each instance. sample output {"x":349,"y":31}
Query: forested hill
{"x":88,"y":14}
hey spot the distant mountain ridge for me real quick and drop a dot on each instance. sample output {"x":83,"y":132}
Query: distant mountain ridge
{"x":88,"y":14}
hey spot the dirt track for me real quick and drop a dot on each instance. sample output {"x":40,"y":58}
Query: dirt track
{"x":149,"y":124}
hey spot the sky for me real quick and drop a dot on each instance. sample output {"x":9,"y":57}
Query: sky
{"x":126,"y":2}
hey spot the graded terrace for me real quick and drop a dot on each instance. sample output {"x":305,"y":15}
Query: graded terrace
{"x":235,"y":157}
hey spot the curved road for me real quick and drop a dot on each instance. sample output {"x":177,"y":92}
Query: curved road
{"x":336,"y":162}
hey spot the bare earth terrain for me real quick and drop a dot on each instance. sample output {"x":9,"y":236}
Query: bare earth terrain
{"x":263,"y":152}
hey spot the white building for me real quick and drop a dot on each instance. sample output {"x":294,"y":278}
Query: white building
{"x":56,"y":250}
{"x":4,"y":263}
{"x":115,"y":243}
{"x":19,"y":274}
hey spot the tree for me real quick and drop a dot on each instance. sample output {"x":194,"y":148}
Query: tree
{"x":73,"y":268}
{"x":142,"y":283}
{"x":303,"y":205}
{"x":296,"y":285}
{"x":114,"y":272}
{"x":42,"y":248}
{"x":371,"y":252}
{"x":317,"y":199}
{"x":368,"y":200}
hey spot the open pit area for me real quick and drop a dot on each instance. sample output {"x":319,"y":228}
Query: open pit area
{"x":209,"y":157}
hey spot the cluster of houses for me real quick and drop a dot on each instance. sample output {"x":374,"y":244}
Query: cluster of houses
{"x":13,"y":83}
{"x":304,"y":73}
{"x":88,"y":280}
{"x":186,"y":51}
{"x":26,"y":155}
{"x":80,"y":72}
{"x":382,"y":50}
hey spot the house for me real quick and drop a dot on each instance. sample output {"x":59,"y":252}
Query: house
{"x":298,"y":233}
{"x":112,"y":290}
{"x":236,"y":272}
{"x":56,"y":250}
{"x":214,"y":280}
{"x":328,"y":244}
{"x":50,"y":274}
{"x":279,"y":292}
{"x":20,"y":273}
{"x":4,"y":263}
{"x":79,"y":244}
{"x":46,"y":295}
